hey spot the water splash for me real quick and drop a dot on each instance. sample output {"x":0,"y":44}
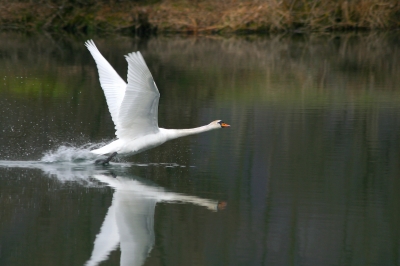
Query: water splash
{"x":71,"y":154}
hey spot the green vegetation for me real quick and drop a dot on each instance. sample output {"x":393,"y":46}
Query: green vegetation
{"x":199,"y":16}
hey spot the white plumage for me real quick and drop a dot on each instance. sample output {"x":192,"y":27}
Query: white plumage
{"x":134,"y":107}
{"x":129,"y":222}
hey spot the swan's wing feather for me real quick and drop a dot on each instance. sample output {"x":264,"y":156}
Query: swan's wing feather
{"x":138,"y":115}
{"x":108,"y":238}
{"x":113,"y":85}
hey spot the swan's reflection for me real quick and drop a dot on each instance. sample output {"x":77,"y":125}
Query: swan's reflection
{"x":130,"y":218}
{"x":129,"y":222}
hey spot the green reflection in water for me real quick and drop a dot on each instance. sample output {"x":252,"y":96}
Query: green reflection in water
{"x":312,"y":70}
{"x":26,"y":87}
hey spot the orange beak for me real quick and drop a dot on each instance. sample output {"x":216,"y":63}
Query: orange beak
{"x":221,"y":205}
{"x":224,"y":125}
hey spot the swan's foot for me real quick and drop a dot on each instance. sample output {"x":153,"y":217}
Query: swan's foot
{"x":105,"y":161}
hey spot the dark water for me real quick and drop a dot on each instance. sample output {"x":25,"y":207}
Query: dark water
{"x":308,"y":174}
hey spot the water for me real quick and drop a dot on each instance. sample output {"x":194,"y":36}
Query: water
{"x":306,"y":175}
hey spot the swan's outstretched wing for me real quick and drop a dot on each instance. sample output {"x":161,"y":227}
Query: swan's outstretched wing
{"x":108,"y":238}
{"x":138,"y":115}
{"x":113,"y":85}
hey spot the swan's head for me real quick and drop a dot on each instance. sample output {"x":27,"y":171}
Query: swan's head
{"x":219,"y":124}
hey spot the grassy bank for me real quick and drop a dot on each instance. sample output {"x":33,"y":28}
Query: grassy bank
{"x":194,"y":16}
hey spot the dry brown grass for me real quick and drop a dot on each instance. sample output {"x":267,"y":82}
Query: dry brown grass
{"x":276,"y":15}
{"x":204,"y":15}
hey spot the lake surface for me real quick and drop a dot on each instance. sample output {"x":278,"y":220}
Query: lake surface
{"x":308,"y":173}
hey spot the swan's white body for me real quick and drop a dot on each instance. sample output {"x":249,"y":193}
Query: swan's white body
{"x":129,"y":222}
{"x":134,"y":107}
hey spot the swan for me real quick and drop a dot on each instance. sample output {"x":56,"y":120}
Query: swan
{"x":129,"y":222}
{"x":134,"y":108}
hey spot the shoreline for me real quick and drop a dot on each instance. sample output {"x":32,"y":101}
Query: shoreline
{"x":208,"y":17}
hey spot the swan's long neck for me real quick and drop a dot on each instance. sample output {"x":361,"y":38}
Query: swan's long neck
{"x":178,"y":133}
{"x":175,"y":197}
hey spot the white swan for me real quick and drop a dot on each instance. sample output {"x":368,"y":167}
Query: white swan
{"x":130,"y":219}
{"x":134,"y":108}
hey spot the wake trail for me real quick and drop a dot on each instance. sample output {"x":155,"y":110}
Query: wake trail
{"x":78,"y":157}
